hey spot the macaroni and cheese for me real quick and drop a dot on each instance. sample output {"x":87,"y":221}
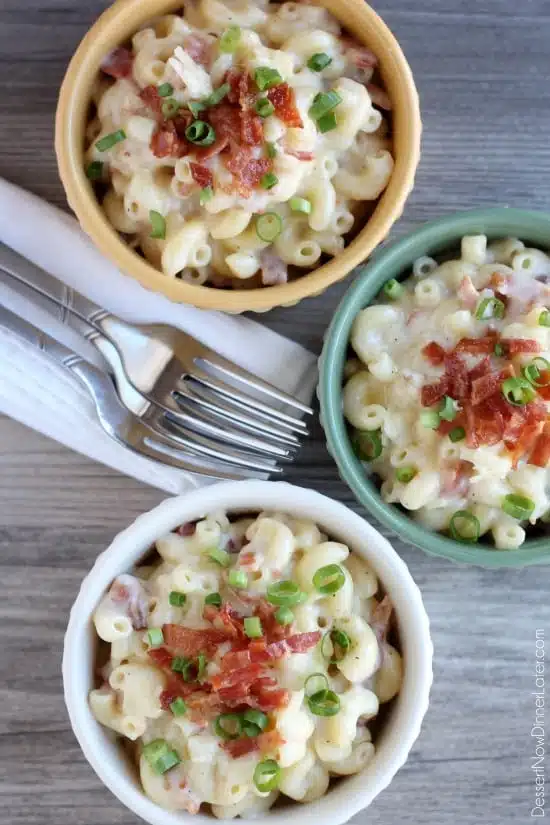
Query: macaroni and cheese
{"x":246,"y":663}
{"x":238,"y":140}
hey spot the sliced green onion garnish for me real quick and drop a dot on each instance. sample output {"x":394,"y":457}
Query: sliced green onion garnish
{"x":499,"y":350}
{"x":327,"y":123}
{"x":457,"y":434}
{"x":109,"y":141}
{"x":269,"y":180}
{"x":405,"y":474}
{"x":155,"y":637}
{"x":430,"y":419}
{"x":323,"y":103}
{"x":464,"y":526}
{"x":448,"y":409}
{"x":251,"y":730}
{"x":160,"y":755}
{"x":329,"y":579}
{"x":533,"y":372}
{"x":319,"y":61}
{"x":221,"y":557}
{"x":266,"y":78}
{"x":285,"y":593}
{"x":214,"y":599}
{"x":271,"y":150}
{"x":195,"y":107}
{"x":324,"y":703}
{"x":315,"y":683}
{"x":392,"y":289}
{"x":165,"y":90}
{"x":269,"y":226}
{"x":201,"y":667}
{"x":200,"y":133}
{"x":167,"y":762}
{"x":228,"y":725}
{"x":490,"y":308}
{"x":256,"y":717}
{"x":207,"y":193}
{"x":178,"y":707}
{"x":176,"y":598}
{"x":170,"y":108}
{"x":230,"y":39}
{"x":264,"y":107}
{"x":517,"y":506}
{"x":341,"y":643}
{"x":517,"y":391}
{"x":544,"y":318}
{"x":94,"y":170}
{"x":266,"y":775}
{"x":218,"y":94}
{"x":300,"y":205}
{"x":253,"y":627}
{"x":179,"y":664}
{"x":366,"y":444}
{"x":158,"y":224}
{"x":237,"y":578}
{"x":284,"y":616}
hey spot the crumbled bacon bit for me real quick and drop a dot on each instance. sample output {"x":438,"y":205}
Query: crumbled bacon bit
{"x":241,"y":677}
{"x":296,"y":153}
{"x":266,"y":742}
{"x":480,"y":369}
{"x":477,"y":346}
{"x":247,"y":171}
{"x":166,"y":143}
{"x":202,"y":175}
{"x":242,"y":88}
{"x":540,"y":453}
{"x":283,"y":99}
{"x":199,"y":48}
{"x":252,"y":131}
{"x":432,"y":393}
{"x":455,"y":478}
{"x":487,"y":385}
{"x":187,"y":529}
{"x":434,"y":352}
{"x":118,"y":63}
{"x":456,"y":374}
{"x":519,"y":346}
{"x":190,"y":642}
{"x":152,"y":99}
{"x":359,"y":55}
{"x":379,"y":97}
{"x":467,"y":294}
{"x":274,"y":269}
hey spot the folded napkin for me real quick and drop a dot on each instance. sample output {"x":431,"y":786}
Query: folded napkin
{"x":43,"y":395}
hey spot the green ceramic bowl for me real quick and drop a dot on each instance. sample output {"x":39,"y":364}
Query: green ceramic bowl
{"x":395,"y":262}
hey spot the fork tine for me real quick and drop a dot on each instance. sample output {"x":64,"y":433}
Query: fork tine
{"x":238,"y":373}
{"x":246,"y":401}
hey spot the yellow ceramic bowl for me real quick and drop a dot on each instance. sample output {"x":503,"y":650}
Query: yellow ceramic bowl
{"x":116,"y":26}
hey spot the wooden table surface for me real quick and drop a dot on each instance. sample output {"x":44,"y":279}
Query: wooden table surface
{"x":481,"y":67}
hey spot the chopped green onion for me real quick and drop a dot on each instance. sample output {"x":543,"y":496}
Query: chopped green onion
{"x":457,"y":434}
{"x":285,"y":593}
{"x":269,"y":180}
{"x":300,"y":205}
{"x":170,"y":108}
{"x":464,"y":526}
{"x":165,"y":90}
{"x":430,"y":419}
{"x":271,"y":150}
{"x":195,"y":107}
{"x":155,"y":637}
{"x":264,"y":107}
{"x":110,"y":140}
{"x":490,"y":308}
{"x":178,"y":707}
{"x":392,"y":289}
{"x":366,"y":444}
{"x":230,"y":39}
{"x":158,"y":224}
{"x":517,"y":391}
{"x":544,"y":319}
{"x":269,"y":226}
{"x":266,"y":775}
{"x":284,"y":616}
{"x":253,"y":627}
{"x":160,"y":755}
{"x":251,"y":730}
{"x":201,"y":667}
{"x":180,"y":664}
{"x":329,"y":579}
{"x":207,"y":193}
{"x":405,"y":474}
{"x":176,"y":598}
{"x":94,"y":170}
{"x":214,"y":599}
{"x":327,"y":123}
{"x":449,"y":409}
{"x":533,"y":372}
{"x":324,"y":703}
{"x":517,"y":506}
{"x":228,"y":725}
{"x":266,"y":78}
{"x":319,"y":61}
{"x":323,"y":103}
{"x":218,"y":95}
{"x":341,"y":643}
{"x":315,"y":683}
{"x":200,"y":133}
{"x":221,"y":557}
{"x":499,"y":350}
{"x":237,"y":578}
{"x":256,"y":717}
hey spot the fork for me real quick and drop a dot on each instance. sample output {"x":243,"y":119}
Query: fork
{"x":199,"y":388}
{"x":151,"y":433}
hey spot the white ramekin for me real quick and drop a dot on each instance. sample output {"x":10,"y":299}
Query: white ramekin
{"x":350,"y":795}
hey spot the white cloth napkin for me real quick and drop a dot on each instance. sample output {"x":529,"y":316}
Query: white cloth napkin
{"x":43,"y":395}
